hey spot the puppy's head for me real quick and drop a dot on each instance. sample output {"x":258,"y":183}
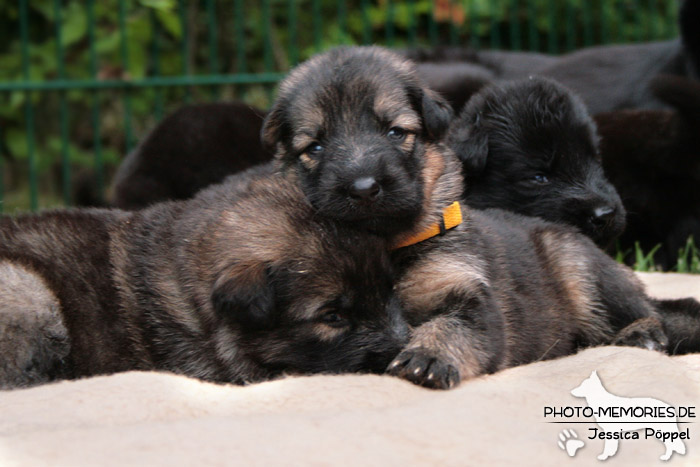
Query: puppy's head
{"x":302,"y":293}
{"x":531,"y":147}
{"x":353,"y":124}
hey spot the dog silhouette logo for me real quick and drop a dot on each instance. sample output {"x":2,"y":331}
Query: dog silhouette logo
{"x":618,"y":416}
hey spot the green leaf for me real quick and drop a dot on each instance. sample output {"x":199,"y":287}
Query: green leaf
{"x":16,"y":141}
{"x":171,"y":22}
{"x":158,"y":4}
{"x":45,"y":7}
{"x":108,"y":43}
{"x":74,"y":25}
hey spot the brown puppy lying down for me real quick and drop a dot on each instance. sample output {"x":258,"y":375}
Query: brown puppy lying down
{"x":499,"y":290}
{"x":222,"y":290}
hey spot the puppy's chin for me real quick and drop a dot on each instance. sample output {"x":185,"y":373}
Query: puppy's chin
{"x":605,"y":237}
{"x":386,"y":226}
{"x":383,"y":219}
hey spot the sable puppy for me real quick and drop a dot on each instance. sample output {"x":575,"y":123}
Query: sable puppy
{"x":653,"y":158}
{"x":194,"y":147}
{"x":222,"y":290}
{"x":353,"y":125}
{"x":530,"y":147}
{"x":500,"y":290}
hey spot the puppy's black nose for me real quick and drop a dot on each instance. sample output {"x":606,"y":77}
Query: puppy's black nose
{"x":365,"y":188}
{"x":602,"y":215}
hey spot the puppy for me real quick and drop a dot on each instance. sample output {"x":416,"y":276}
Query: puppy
{"x":492,"y":289}
{"x":222,"y":290}
{"x":194,"y":147}
{"x":353,"y":126}
{"x":530,"y":147}
{"x":653,"y":158}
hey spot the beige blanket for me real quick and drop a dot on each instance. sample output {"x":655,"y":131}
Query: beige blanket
{"x":161,"y":419}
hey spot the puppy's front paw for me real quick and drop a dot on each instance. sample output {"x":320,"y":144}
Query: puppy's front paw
{"x":422,"y":367}
{"x":646,"y":333}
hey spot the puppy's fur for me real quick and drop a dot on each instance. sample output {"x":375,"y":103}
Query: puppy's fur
{"x":353,"y":126}
{"x":231,"y":291}
{"x":530,"y":147}
{"x":501,"y":290}
{"x":653,"y":158}
{"x":194,"y":147}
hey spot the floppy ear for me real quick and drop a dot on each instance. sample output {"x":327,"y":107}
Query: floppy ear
{"x":470,"y":143}
{"x":437,"y":114}
{"x":246,"y":301}
{"x":273,"y":130}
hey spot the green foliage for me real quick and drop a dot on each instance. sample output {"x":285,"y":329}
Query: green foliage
{"x":644,"y":262}
{"x":689,"y":258}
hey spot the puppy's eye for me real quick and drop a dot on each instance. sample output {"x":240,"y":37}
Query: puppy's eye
{"x":334,"y":319}
{"x":397,"y":134}
{"x":314,"y":149}
{"x":540,"y":179}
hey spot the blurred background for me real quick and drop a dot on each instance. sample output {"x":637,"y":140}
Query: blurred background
{"x":82,"y":81}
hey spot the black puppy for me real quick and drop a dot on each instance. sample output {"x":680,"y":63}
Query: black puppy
{"x":240,"y":284}
{"x":530,"y":147}
{"x":353,"y":125}
{"x":653,"y":158}
{"x":194,"y":147}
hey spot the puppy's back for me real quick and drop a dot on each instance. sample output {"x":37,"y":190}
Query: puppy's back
{"x":67,"y":257}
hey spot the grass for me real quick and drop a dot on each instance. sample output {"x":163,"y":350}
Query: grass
{"x":688,"y":258}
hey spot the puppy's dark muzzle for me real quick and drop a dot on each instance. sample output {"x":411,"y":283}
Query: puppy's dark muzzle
{"x":604,"y":223}
{"x":393,"y":340}
{"x":602,"y":216}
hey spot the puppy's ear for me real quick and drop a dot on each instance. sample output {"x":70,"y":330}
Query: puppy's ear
{"x":273,"y":130}
{"x":436,"y":112}
{"x":246,"y":301}
{"x":470,"y":143}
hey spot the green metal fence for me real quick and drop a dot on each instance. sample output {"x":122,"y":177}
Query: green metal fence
{"x":80,"y":82}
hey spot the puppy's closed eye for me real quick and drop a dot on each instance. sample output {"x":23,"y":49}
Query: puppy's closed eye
{"x":334,"y":319}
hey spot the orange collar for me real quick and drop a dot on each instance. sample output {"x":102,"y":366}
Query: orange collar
{"x":451,"y":217}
